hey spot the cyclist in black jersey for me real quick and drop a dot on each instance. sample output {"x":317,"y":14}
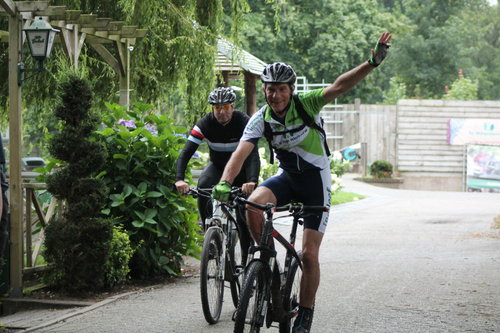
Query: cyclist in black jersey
{"x":222,"y":129}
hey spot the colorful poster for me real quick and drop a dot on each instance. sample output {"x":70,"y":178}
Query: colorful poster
{"x":479,"y":131}
{"x":483,"y":168}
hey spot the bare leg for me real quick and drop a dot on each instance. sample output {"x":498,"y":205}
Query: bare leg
{"x":311,"y":274}
{"x":255,"y":218}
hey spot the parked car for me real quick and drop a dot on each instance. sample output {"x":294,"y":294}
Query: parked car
{"x":30,"y":163}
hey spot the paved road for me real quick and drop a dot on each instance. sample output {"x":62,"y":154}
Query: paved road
{"x":397,"y":261}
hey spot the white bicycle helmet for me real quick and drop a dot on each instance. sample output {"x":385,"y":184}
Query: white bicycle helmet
{"x":222,"y":95}
{"x":278,"y":72}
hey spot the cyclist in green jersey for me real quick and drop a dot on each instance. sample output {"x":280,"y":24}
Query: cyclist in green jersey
{"x":304,"y":173}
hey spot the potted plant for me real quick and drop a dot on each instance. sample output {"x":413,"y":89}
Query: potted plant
{"x":381,"y":169}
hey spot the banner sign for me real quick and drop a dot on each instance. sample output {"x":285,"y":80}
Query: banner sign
{"x":483,"y":168}
{"x":480,"y":131}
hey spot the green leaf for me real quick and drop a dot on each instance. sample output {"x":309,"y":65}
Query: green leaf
{"x":150,"y":221}
{"x":142,"y":187}
{"x":153,"y":194}
{"x":138,"y":224}
{"x":170,"y":270}
{"x":107,"y":131}
{"x":164,"y":260}
{"x":150,"y":213}
{"x":121,"y":164}
{"x":127,"y":190}
{"x":140,"y":215}
{"x":117,"y":156}
{"x":165,"y":190}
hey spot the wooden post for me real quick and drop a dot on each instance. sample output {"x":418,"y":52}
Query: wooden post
{"x":250,"y":94}
{"x":357,"y":104}
{"x":125,"y":76}
{"x":15,"y":149}
{"x":364,"y":158}
{"x":225,"y":77}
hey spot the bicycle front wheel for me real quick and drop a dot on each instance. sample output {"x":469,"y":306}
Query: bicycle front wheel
{"x":237,"y":266}
{"x":291,"y":296}
{"x":250,"y":310}
{"x":211,"y":276}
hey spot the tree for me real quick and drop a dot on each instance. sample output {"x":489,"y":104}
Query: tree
{"x":176,"y":58}
{"x":396,"y":92}
{"x":431,"y":53}
{"x":321,"y":39}
{"x":463,"y":89}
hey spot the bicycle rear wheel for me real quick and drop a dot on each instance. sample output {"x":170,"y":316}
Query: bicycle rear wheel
{"x":291,"y":296}
{"x":237,"y":265}
{"x":211,"y":277}
{"x":249,"y":313}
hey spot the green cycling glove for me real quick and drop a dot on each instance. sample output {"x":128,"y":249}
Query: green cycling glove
{"x":222,"y":191}
{"x":380,"y":53}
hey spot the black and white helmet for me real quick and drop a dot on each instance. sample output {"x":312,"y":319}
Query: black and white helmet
{"x":278,"y":72}
{"x":222,"y":95}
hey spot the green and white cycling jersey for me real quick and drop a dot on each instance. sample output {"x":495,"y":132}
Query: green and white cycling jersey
{"x":298,"y":151}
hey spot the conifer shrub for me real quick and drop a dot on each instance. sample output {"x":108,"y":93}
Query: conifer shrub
{"x":78,"y":244}
{"x":143,"y":150}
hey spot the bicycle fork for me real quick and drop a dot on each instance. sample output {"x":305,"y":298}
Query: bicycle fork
{"x":265,"y":251}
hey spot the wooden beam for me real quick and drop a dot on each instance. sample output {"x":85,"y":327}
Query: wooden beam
{"x":66,"y":41}
{"x":111,"y":26}
{"x":32,"y":6}
{"x":101,"y":23}
{"x":85,"y":20}
{"x":130,"y":41}
{"x":28,"y":16}
{"x":9,"y":7}
{"x":140,"y":33}
{"x":73,"y":15}
{"x":128,"y":30}
{"x":52,"y":12}
{"x":92,"y":39}
{"x":122,"y":54}
{"x":107,"y":56}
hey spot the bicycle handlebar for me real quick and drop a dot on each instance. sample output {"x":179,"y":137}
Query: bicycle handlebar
{"x":236,"y":192}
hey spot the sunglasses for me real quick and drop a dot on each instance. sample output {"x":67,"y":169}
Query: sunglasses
{"x":218,"y":108}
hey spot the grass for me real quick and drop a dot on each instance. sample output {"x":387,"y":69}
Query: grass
{"x":496,"y":223}
{"x":341,"y":197}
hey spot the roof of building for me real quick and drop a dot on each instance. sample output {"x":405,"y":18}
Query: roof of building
{"x":233,"y":59}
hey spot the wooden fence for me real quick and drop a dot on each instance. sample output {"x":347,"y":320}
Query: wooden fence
{"x":349,"y":124}
{"x":412,"y":135}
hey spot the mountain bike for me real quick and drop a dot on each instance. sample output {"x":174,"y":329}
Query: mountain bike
{"x":269,"y":295}
{"x":221,"y":256}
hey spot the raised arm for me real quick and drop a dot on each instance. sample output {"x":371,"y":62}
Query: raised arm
{"x":350,"y":79}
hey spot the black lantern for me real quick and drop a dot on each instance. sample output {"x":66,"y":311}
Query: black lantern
{"x":40,"y":37}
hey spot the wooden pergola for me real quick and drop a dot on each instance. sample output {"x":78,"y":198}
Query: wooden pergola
{"x":75,"y":30}
{"x":234,"y":64}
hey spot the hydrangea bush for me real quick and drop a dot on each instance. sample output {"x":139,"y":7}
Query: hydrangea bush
{"x":140,"y":173}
